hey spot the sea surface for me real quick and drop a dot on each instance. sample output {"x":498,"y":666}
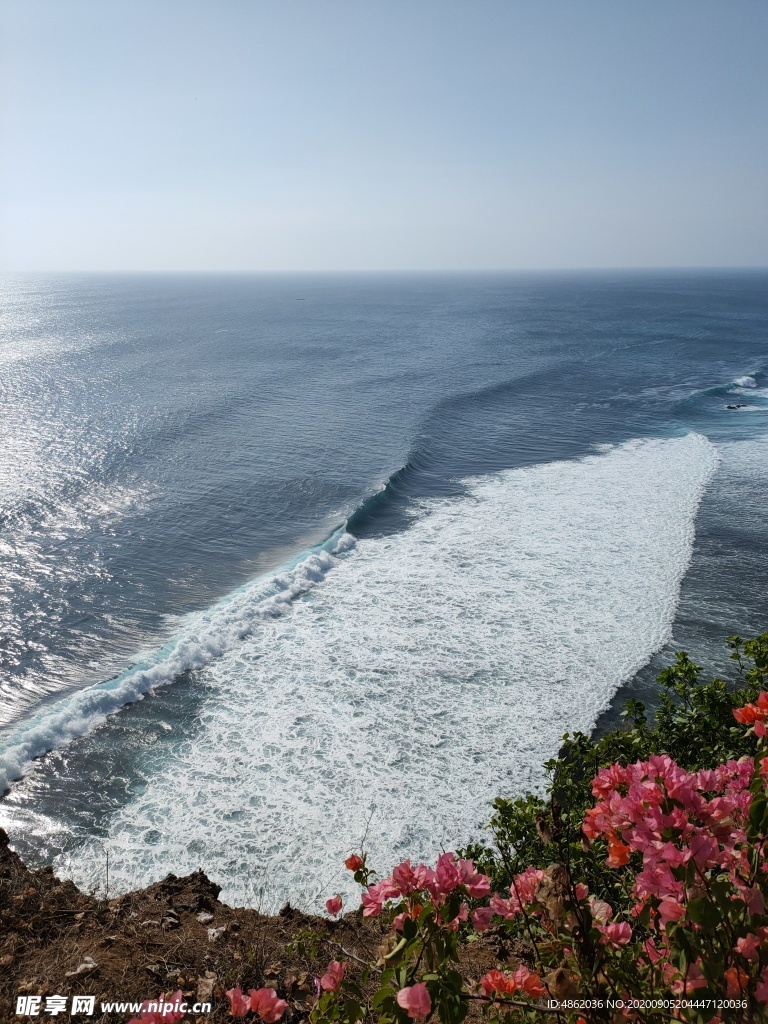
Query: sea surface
{"x":290,"y":561}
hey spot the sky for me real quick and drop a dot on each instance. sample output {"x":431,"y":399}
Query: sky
{"x":270,"y":135}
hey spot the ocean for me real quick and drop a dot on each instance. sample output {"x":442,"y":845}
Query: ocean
{"x":287,"y":561}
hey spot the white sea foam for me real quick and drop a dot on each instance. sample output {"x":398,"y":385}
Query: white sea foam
{"x":745,"y":382}
{"x":203,"y":638}
{"x":431,"y":671}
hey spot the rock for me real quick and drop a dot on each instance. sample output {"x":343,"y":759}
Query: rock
{"x":88,"y":966}
{"x":214,"y":934}
{"x":205,"y":917}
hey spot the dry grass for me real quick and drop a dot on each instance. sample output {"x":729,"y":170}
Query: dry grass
{"x":151,"y":941}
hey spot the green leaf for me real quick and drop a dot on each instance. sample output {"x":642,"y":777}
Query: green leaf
{"x":757,"y":812}
{"x":703,"y":912}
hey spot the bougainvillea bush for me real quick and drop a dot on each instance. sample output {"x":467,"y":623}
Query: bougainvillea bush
{"x":644,"y":895}
{"x":637,"y":890}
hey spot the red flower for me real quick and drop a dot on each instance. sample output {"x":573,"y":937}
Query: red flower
{"x":618,"y":853}
{"x":497,"y":981}
{"x":736,"y":981}
{"x":333,"y":905}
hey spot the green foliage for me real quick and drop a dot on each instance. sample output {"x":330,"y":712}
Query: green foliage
{"x":640,"y":892}
{"x":693,"y":723}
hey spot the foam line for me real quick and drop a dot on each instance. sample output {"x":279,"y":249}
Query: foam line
{"x":204,"y":637}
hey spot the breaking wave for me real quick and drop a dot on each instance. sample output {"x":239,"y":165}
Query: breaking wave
{"x":205,"y":637}
{"x":432,"y":670}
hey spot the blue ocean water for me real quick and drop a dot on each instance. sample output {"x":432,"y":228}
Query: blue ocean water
{"x":289,"y":557}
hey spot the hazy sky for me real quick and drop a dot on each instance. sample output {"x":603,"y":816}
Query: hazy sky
{"x":391,"y":134}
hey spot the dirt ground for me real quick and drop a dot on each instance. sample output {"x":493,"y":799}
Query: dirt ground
{"x":175,"y":934}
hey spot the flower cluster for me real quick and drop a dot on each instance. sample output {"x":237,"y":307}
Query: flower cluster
{"x":263,"y":1001}
{"x":754,"y":714}
{"x":683,"y":852}
{"x":672,"y":818}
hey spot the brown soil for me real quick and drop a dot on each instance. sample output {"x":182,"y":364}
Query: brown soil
{"x":175,"y":934}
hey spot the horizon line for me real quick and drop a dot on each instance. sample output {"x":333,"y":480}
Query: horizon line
{"x":403,"y":270}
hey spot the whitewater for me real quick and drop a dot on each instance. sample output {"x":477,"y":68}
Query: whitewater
{"x":426,"y":673}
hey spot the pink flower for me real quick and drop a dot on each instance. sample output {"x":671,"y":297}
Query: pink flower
{"x":239,"y":1004}
{"x":524,"y":886}
{"x":265,"y":1002}
{"x":749,"y":947}
{"x":704,"y":850}
{"x":582,"y":891}
{"x":528,"y":983}
{"x":372,"y":907}
{"x":481,"y":919}
{"x":333,"y":905}
{"x":447,"y":871}
{"x":409,"y":879}
{"x":331,"y":980}
{"x":404,"y":878}
{"x":353,"y":862}
{"x":601,"y":911}
{"x":161,"y":1015}
{"x":671,"y":910}
{"x":754,"y":899}
{"x":479,"y":885}
{"x":377,"y":895}
{"x":415,"y":1000}
{"x":616,"y":934}
{"x":693,"y":980}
